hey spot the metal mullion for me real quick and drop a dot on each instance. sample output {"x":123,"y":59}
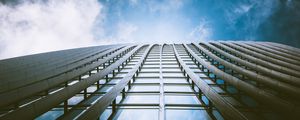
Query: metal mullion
{"x":161,"y":95}
{"x":262,"y":62}
{"x":230,"y":94}
{"x":75,"y":88}
{"x":96,"y":92}
{"x":266,"y":71}
{"x":192,"y":84}
{"x":52,"y":62}
{"x":94,"y":57}
{"x":225,"y":91}
{"x":228,"y":110}
{"x":271,"y":82}
{"x":24,"y":92}
{"x":103,"y":102}
{"x":130,"y":84}
{"x":247,"y":50}
{"x":271,"y":52}
{"x":270,"y":100}
{"x":181,"y":93}
{"x":58,"y":71}
{"x":279,"y":49}
{"x":286,"y":47}
{"x":85,"y":95}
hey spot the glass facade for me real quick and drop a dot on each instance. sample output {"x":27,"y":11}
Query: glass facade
{"x":148,"y":82}
{"x":160,"y":90}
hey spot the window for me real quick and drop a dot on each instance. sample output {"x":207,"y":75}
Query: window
{"x":137,"y":114}
{"x":181,"y":99}
{"x":141,"y":99}
{"x":179,"y":114}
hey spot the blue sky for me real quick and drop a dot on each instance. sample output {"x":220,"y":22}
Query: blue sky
{"x":36,"y":26}
{"x":194,"y":20}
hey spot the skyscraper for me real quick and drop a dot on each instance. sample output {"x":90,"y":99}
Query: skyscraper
{"x":207,"y":80}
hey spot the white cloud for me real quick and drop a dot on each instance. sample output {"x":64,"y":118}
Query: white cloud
{"x":35,"y":27}
{"x":242,"y":9}
{"x":164,"y":6}
{"x":125,"y":33}
{"x":133,"y":2}
{"x":201,"y":32}
{"x":253,"y":13}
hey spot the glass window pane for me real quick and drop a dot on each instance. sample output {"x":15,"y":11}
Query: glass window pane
{"x":173,"y":74}
{"x":146,"y":80}
{"x":151,"y":65}
{"x":51,"y":115}
{"x":106,"y":88}
{"x":172,"y":70}
{"x":175,"y":80}
{"x":75,"y":99}
{"x":148,"y":75}
{"x":142,"y":88}
{"x":218,"y":90}
{"x":149,"y":70}
{"x":91,"y":89}
{"x":141,"y":99}
{"x":114,"y":81}
{"x":137,"y":114}
{"x":170,"y":66}
{"x":181,"y":99}
{"x":178,"y":88}
{"x":187,"y":115}
{"x":105,"y":115}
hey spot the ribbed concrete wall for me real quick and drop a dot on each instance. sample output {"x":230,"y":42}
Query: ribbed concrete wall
{"x":230,"y":80}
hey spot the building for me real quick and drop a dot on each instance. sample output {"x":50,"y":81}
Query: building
{"x":207,"y":80}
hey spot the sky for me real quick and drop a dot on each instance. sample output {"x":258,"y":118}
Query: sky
{"x":36,"y":26}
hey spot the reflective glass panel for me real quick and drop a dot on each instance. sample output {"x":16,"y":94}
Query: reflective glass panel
{"x":178,"y":88}
{"x":175,"y":114}
{"x":142,"y":99}
{"x":142,"y":88}
{"x":137,"y":114}
{"x":172,"y":99}
{"x":175,"y":80}
{"x":51,"y":115}
{"x":146,"y":80}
